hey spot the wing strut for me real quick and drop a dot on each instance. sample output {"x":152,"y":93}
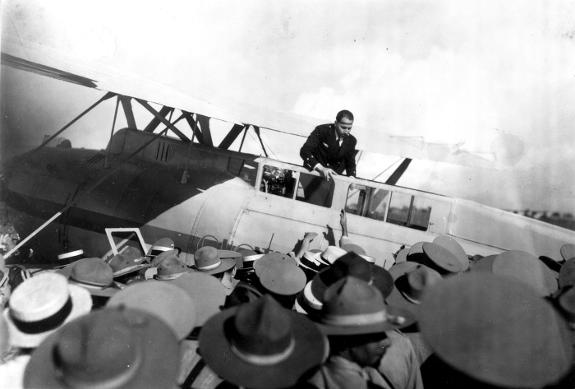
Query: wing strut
{"x":162,"y":119}
{"x":231,"y":136}
{"x":257,"y":130}
{"x":396,"y":175}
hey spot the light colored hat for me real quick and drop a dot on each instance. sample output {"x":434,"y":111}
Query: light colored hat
{"x":262,"y":345}
{"x":207,"y":292}
{"x":496,"y":330}
{"x":442,"y":259}
{"x":163,"y":255}
{"x":331,"y":253}
{"x":161,"y":245}
{"x":94,"y":275}
{"x":273,"y":256}
{"x":311,"y":261}
{"x":416,"y":248}
{"x":109,"y":348}
{"x":452,"y":245}
{"x":170,"y":268}
{"x":521,"y":266}
{"x":281,"y":277}
{"x":567,"y":251}
{"x":40,"y":305}
{"x":353,"y":307}
{"x":401,"y":255}
{"x":162,"y":299}
{"x":208,"y":260}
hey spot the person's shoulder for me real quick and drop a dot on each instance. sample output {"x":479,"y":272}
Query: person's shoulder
{"x":324,"y":127}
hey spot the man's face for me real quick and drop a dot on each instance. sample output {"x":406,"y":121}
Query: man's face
{"x":343,"y":127}
{"x":370,"y":353}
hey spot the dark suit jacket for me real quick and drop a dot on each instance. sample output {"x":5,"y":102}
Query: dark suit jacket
{"x":322,"y":147}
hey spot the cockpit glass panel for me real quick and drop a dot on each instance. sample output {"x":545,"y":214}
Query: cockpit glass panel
{"x":377,"y":204}
{"x":355,"y":201}
{"x":277,"y":181}
{"x":399,"y":208}
{"x":315,"y":190}
{"x":420,"y":213}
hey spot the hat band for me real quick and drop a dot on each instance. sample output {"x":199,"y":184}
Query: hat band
{"x":44,"y":325}
{"x":156,"y":250}
{"x":312,"y":265}
{"x":264,"y":360}
{"x":356,"y":320}
{"x":166,"y":277}
{"x":210,"y":267}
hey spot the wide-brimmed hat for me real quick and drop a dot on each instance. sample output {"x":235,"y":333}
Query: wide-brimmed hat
{"x":452,"y":245}
{"x":521,"y":266}
{"x":161,"y":245}
{"x":441,"y":259}
{"x":401,"y":255}
{"x":411,"y":280}
{"x":94,"y":275}
{"x":170,"y":268}
{"x":109,"y":348}
{"x":280,"y":276}
{"x":567,"y":251}
{"x":40,"y":305}
{"x":162,"y":299}
{"x":331,"y":254}
{"x":122,"y":265}
{"x":496,"y":330}
{"x":208,"y":260}
{"x":352,"y":264}
{"x":207,"y":292}
{"x":155,"y":262}
{"x":273,"y":256}
{"x":353,"y":307}
{"x":261,"y":345}
{"x":567,"y":273}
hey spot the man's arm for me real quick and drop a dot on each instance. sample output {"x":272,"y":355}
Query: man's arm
{"x":309,"y":147}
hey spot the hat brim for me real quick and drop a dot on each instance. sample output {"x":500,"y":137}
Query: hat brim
{"x":388,"y":325}
{"x":81,"y":304}
{"x":310,"y":350}
{"x":97,"y":291}
{"x":129,"y":269}
{"x":156,"y":369}
{"x":225,"y":265}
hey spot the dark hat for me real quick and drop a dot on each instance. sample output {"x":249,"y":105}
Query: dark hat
{"x":311,"y":261}
{"x":170,"y":268}
{"x":94,"y":275}
{"x":162,"y":299}
{"x":109,"y":348}
{"x":442,"y":259}
{"x":352,"y":264}
{"x":242,"y":293}
{"x":281,"y":277}
{"x":209,"y":260}
{"x":521,"y":266}
{"x":271,"y":257}
{"x":353,"y":307}
{"x":567,"y":251}
{"x":161,"y":245}
{"x":262,"y":345}
{"x":452,"y":245}
{"x":122,"y":264}
{"x":163,"y":255}
{"x":496,"y":330}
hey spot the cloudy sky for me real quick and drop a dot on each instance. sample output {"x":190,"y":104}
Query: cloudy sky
{"x":488,"y":76}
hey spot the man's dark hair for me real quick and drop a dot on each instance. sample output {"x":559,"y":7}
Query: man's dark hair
{"x":344,"y":114}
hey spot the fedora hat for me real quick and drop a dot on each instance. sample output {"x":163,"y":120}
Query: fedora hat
{"x":452,"y":245}
{"x":353,"y":307}
{"x":281,"y":277}
{"x":40,"y":305}
{"x":331,"y":254}
{"x":94,"y":275}
{"x":161,"y":245}
{"x":261,"y":345}
{"x":168,"y":302}
{"x":496,"y":330}
{"x":567,"y":273}
{"x":109,"y":348}
{"x":163,"y":255}
{"x":411,"y":280}
{"x":567,"y":251}
{"x":208,"y":260}
{"x":122,"y":264}
{"x":170,"y":268}
{"x":521,"y":266}
{"x":207,"y":292}
{"x":442,"y":259}
{"x":351,"y":264}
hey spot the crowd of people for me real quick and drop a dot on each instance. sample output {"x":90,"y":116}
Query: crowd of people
{"x":332,"y":318}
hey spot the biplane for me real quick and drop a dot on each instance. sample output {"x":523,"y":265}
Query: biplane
{"x":188,"y":188}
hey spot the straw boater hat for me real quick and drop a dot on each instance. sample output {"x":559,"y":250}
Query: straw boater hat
{"x":496,"y":330}
{"x":122,"y":265}
{"x":521,"y":266}
{"x":411,"y":280}
{"x":207,"y":292}
{"x":567,"y":251}
{"x":311,"y":261}
{"x":455,"y":248}
{"x":442,"y":259}
{"x":353,"y":307}
{"x":281,"y":277}
{"x":109,"y":348}
{"x":350,"y":264}
{"x":161,"y":245}
{"x":94,"y":275}
{"x":209,"y":260}
{"x":40,"y":305}
{"x":170,"y":268}
{"x":168,"y":302}
{"x":331,"y":254}
{"x":261,"y":345}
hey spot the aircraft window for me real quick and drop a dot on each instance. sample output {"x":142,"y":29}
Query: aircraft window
{"x":409,"y":211}
{"x":366,"y":201}
{"x":420,"y":213}
{"x":399,"y":208}
{"x":278,"y":181}
{"x":315,"y":190}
